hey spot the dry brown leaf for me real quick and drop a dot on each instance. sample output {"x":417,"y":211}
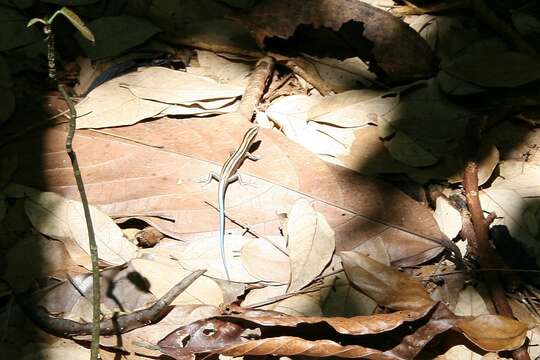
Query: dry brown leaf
{"x":397,"y":49}
{"x":493,"y":332}
{"x":386,"y":286}
{"x":311,"y":243}
{"x":131,"y":179}
{"x":60,"y":218}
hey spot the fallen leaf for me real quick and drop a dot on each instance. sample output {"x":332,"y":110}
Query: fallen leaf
{"x":490,"y":64}
{"x":511,"y":211}
{"x":205,"y":253}
{"x":264,"y":261}
{"x":519,"y":176}
{"x":131,"y":179}
{"x":150,"y":92}
{"x":393,"y":44}
{"x":62,"y":349}
{"x":386,"y":286}
{"x":448,"y":217}
{"x":203,"y":290}
{"x":493,"y":332}
{"x":311,"y":243}
{"x":403,"y":148}
{"x":59,"y":218}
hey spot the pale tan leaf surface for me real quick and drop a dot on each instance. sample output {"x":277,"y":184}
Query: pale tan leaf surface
{"x":448,"y":218}
{"x":178,"y":87}
{"x":204,"y":253}
{"x":203,"y":290}
{"x":311,"y":243}
{"x":519,"y":176}
{"x":470,"y":303}
{"x":264,"y":261}
{"x":60,"y":218}
{"x":353,"y":108}
{"x":131,"y":179}
{"x":150,"y":91}
{"x":219,"y":68}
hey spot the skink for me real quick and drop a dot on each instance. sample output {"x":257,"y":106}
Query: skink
{"x":227,"y":176}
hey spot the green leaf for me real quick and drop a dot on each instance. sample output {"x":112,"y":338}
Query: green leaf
{"x":36,"y":20}
{"x":78,"y":23}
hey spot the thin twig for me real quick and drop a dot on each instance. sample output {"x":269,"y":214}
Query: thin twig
{"x":96,"y":296}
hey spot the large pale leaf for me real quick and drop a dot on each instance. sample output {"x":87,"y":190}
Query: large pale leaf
{"x":448,"y":218}
{"x":163,"y":277}
{"x":151,"y":92}
{"x":291,"y":113}
{"x":60,"y":218}
{"x":311,"y":243}
{"x":353,"y":108}
{"x":205,"y":254}
{"x":512,"y":211}
{"x":519,"y":176}
{"x":265,"y":261}
{"x":159,"y":185}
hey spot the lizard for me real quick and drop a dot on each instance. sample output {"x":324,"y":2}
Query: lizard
{"x":227,"y":176}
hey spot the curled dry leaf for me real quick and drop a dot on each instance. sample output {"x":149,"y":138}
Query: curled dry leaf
{"x":311,"y":243}
{"x":61,"y":219}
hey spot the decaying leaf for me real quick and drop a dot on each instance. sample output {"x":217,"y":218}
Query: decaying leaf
{"x":59,"y":218}
{"x":397,"y":49}
{"x":311,"y":243}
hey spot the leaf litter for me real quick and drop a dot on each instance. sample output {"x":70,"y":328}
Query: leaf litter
{"x":310,"y":241}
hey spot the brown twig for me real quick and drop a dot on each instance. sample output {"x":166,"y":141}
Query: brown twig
{"x":256,"y":85}
{"x":479,"y":240}
{"x":117,"y":325}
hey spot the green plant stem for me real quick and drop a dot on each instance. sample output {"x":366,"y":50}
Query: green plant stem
{"x":94,"y":352}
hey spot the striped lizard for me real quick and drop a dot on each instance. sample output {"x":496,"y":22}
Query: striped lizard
{"x":227,"y":176}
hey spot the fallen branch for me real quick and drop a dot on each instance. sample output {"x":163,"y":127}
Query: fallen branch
{"x":114,"y":326}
